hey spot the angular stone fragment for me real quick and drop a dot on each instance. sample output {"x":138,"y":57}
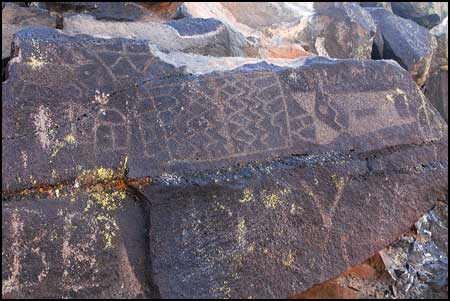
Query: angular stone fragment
{"x":81,"y":246}
{"x":428,"y":14}
{"x":113,"y":108}
{"x":201,"y":36}
{"x":403,"y":40}
{"x":15,"y":18}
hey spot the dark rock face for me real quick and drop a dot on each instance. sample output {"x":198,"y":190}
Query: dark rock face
{"x":111,"y":11}
{"x":260,"y":181}
{"x":77,"y":246}
{"x":110,"y":108}
{"x":428,"y":14}
{"x":15,"y":18}
{"x":273,"y":234}
{"x":436,"y":88}
{"x":404,"y":41}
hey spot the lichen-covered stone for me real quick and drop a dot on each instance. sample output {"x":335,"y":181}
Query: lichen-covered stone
{"x":84,"y":245}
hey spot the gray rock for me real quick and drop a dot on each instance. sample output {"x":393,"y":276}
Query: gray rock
{"x":406,"y":42}
{"x":428,"y":14}
{"x":201,"y":36}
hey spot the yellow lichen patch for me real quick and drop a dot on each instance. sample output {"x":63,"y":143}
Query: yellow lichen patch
{"x":109,"y":200}
{"x":109,"y":229}
{"x":338,"y":182}
{"x":70,"y":139}
{"x":289,"y":260}
{"x":248,"y":196}
{"x":272,"y":200}
{"x":241,"y":231}
{"x":96,"y":175}
{"x":35,"y":63}
{"x":251,"y":248}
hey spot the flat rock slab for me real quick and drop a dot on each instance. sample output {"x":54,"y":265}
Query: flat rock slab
{"x":111,"y":11}
{"x":201,"y":36}
{"x":411,"y":45}
{"x":272,"y":231}
{"x":112,"y":107}
{"x":75,"y":246}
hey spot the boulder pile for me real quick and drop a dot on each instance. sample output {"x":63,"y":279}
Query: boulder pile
{"x":219,"y":150}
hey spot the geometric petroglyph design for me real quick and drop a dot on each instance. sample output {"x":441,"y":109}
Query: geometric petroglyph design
{"x":111,"y":131}
{"x":216,"y":118}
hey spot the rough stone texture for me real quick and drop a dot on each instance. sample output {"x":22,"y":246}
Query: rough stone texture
{"x":386,"y":5}
{"x":436,"y":88}
{"x":428,"y":14}
{"x":111,"y":11}
{"x":414,"y":266}
{"x":277,"y":233}
{"x":110,"y":109}
{"x":339,"y":30}
{"x":201,"y":36}
{"x":15,"y":18}
{"x":74,"y":246}
{"x":406,"y":42}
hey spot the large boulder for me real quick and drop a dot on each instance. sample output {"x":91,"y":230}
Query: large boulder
{"x":411,"y":45}
{"x":260,"y":178}
{"x":428,"y":14}
{"x":201,"y":36}
{"x":111,"y":11}
{"x":436,"y":88}
{"x":76,"y":245}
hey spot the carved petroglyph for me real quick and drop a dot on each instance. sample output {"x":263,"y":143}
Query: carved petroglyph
{"x":11,"y":284}
{"x":111,"y":131}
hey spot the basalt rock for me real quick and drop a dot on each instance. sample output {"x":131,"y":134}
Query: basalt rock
{"x":411,"y":45}
{"x":428,"y":14}
{"x":436,"y":88}
{"x":201,"y":36}
{"x":114,"y":101}
{"x":74,"y":246}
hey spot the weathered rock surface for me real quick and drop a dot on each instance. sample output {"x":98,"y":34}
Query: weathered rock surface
{"x":201,"y":36}
{"x":428,"y":14}
{"x":436,"y":88}
{"x":15,"y":18}
{"x":278,"y":229}
{"x":260,"y":178}
{"x":386,"y":5}
{"x":403,"y":40}
{"x":109,"y":108}
{"x":74,"y":246}
{"x":112,"y":11}
{"x":339,"y":30}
